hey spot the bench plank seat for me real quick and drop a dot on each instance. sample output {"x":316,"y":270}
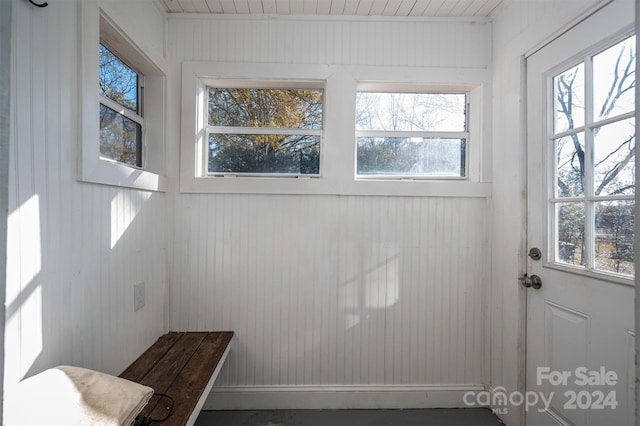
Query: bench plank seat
{"x":183,"y":365}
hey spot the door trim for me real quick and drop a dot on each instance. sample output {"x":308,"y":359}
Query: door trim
{"x":595,"y":8}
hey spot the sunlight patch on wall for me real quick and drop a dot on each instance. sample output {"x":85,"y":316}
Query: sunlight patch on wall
{"x":125,"y":206}
{"x":382,"y":284}
{"x":373,"y":287}
{"x":31,"y":330}
{"x":349,"y":302}
{"x":27,"y":244}
{"x":23,"y":330}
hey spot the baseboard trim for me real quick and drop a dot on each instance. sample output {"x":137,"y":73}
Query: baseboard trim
{"x":337,"y":397}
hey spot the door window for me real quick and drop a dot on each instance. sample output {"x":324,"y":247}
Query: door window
{"x":593,"y":139}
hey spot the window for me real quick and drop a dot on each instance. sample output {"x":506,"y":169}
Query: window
{"x":121,"y":123}
{"x":402,"y":134}
{"x":261,"y":128}
{"x":123,"y":103}
{"x":593,"y":140}
{"x":264,"y":130}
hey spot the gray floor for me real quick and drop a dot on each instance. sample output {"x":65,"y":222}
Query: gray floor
{"x":430,"y":417}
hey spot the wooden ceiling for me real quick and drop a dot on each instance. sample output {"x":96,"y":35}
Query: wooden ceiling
{"x":398,"y":8}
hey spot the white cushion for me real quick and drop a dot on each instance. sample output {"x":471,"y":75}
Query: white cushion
{"x":68,"y":396}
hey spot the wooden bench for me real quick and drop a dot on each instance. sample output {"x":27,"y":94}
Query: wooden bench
{"x":184,"y":366}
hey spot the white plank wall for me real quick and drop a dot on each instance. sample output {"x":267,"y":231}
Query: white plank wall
{"x":348,"y":42}
{"x":332,"y":290}
{"x":336,"y":290}
{"x":74,"y":249}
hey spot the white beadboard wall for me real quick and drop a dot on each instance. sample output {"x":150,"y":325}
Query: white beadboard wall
{"x":75,"y":250}
{"x":332,"y":293}
{"x":380,"y":42}
{"x":336,"y":290}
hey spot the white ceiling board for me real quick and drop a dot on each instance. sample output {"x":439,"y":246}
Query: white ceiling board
{"x":242,"y":6}
{"x":364,"y":7}
{"x":172,"y":6}
{"x":309,"y":7}
{"x":282,"y":7}
{"x":488,"y":7}
{"x":392,"y":7}
{"x":400,"y":8}
{"x":419,"y":7}
{"x":228,"y":6}
{"x":350,"y":7}
{"x":256,"y":7}
{"x":337,"y":7}
{"x":378,"y":7}
{"x":405,"y":8}
{"x":324,"y":7}
{"x":296,"y":7}
{"x":447,"y":7}
{"x":269,"y":7}
{"x":214,"y":6}
{"x":433,"y":8}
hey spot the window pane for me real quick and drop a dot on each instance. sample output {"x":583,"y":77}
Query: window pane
{"x":120,"y":137}
{"x":273,"y":108}
{"x":614,"y":165}
{"x":411,"y":156}
{"x":570,"y":165}
{"x":411,"y":111}
{"x":117,"y":81}
{"x":570,"y":233}
{"x":614,"y":237}
{"x":614,"y":80}
{"x":291,"y":154}
{"x":568,"y":95}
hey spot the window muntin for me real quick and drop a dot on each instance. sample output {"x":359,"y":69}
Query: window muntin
{"x":593,"y":135}
{"x":411,"y":134}
{"x":121,"y":122}
{"x":264,"y":130}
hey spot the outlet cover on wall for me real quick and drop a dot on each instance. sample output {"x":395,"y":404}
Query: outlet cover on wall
{"x":138,"y":296}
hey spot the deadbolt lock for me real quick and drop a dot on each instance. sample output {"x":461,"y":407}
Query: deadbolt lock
{"x":535,"y":253}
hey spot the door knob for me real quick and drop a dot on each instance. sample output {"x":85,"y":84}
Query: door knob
{"x":533,"y":281}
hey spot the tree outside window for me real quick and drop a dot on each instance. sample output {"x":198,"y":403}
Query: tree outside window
{"x":594,"y":145}
{"x":264,"y":131}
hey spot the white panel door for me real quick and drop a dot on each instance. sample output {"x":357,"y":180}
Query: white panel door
{"x":581,"y":138}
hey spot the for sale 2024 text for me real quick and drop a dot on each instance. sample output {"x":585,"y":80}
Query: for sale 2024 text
{"x":583,"y":377}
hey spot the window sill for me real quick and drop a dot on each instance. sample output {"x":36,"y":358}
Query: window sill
{"x":325,"y":186}
{"x":592,"y":273}
{"x":106,"y":172}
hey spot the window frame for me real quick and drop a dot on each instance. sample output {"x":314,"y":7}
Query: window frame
{"x":588,"y":198}
{"x":137,"y":116}
{"x":338,"y":153}
{"x":98,"y":27}
{"x":374,"y":88}
{"x":261,"y":84}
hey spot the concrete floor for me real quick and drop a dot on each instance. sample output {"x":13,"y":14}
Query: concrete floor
{"x":426,"y":417}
